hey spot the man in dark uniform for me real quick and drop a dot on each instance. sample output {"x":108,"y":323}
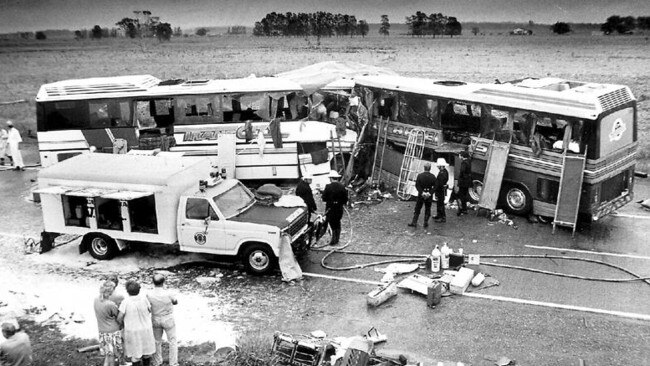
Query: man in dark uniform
{"x":441,"y":189}
{"x":464,"y":182}
{"x":425,"y":183}
{"x":303,"y":190}
{"x":335,"y":197}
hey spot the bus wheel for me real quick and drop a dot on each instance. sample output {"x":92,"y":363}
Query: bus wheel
{"x":475,"y":191}
{"x":101,"y":246}
{"x":258,"y":259}
{"x":517,"y":199}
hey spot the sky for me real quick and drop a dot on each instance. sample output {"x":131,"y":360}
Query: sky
{"x":33,"y":15}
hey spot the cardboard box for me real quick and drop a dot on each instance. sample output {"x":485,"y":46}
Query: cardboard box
{"x":460,"y":282}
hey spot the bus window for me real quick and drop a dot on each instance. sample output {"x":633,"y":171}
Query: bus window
{"x":154,"y":113}
{"x":460,"y":116}
{"x":417,"y":110}
{"x":523,"y":127}
{"x":108,"y":214}
{"x":66,"y":115}
{"x":103,"y":114}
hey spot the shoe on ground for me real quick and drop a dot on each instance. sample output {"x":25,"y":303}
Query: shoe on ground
{"x":436,"y":217}
{"x":426,"y":224}
{"x":412,"y":224}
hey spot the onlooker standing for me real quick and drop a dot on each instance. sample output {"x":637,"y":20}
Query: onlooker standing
{"x":135,"y":314}
{"x":464,"y":182}
{"x":118,"y":295}
{"x":110,"y":333}
{"x":162,"y":318}
{"x":16,"y":350}
{"x":425,"y":183}
{"x":441,"y":189}
{"x":335,"y":197}
{"x":3,"y":145}
{"x":14,"y":140}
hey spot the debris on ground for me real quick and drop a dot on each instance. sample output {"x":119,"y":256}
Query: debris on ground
{"x":645,"y":204}
{"x":500,"y":217}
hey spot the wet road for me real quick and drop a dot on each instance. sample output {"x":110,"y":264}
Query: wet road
{"x":466,"y":329}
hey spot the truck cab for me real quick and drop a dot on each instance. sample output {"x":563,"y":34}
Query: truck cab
{"x":224,"y":218}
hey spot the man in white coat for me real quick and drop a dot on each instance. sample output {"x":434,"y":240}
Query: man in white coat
{"x":3,"y":145}
{"x":14,"y":140}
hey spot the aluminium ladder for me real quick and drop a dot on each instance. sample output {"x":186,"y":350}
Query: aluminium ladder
{"x":382,"y":128}
{"x":410,"y":163}
{"x":568,"y":197}
{"x":494,"y":170}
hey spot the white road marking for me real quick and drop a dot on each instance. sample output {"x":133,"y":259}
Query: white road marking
{"x":622,"y":314}
{"x":589,"y":252}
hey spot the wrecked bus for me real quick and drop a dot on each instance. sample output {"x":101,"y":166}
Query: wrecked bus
{"x":117,"y":114}
{"x":113,"y":201}
{"x":542,"y":121}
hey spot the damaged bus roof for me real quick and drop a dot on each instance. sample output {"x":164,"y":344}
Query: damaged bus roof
{"x":550,"y":95}
{"x":149,"y":86}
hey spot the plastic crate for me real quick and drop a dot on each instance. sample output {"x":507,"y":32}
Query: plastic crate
{"x":292,"y":351}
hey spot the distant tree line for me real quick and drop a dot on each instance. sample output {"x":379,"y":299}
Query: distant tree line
{"x":143,"y":25}
{"x":319,"y":24}
{"x":624,"y":25}
{"x":420,"y":24}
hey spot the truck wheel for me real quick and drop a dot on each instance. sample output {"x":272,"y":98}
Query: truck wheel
{"x":475,"y":191}
{"x":101,"y":246}
{"x":258,"y":259}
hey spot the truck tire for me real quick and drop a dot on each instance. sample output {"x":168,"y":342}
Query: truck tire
{"x":258,"y":259}
{"x":100,"y":246}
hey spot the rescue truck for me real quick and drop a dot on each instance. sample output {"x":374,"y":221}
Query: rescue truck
{"x":116,"y":200}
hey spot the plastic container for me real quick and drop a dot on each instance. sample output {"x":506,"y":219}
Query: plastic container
{"x":435,"y":259}
{"x":434,"y":294}
{"x":444,"y":258}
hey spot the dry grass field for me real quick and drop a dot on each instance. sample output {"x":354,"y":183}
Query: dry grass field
{"x":616,"y":59}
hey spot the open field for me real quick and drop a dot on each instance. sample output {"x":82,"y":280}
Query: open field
{"x":623,"y":60}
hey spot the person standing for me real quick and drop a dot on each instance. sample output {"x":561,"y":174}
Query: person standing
{"x":441,"y":190}
{"x":13,"y":141}
{"x":303,"y":190}
{"x":162,"y":318}
{"x":3,"y":145}
{"x":110,"y":330}
{"x":335,"y":197}
{"x":16,"y":350}
{"x":135,"y":314}
{"x":464,"y":182}
{"x":425,"y":183}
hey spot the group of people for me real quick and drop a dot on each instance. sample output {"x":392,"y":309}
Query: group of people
{"x":429,"y":185}
{"x":10,"y":140}
{"x":335,"y":196}
{"x":131,"y":327}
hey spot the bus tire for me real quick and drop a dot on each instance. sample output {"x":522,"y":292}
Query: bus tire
{"x":258,"y":259}
{"x":475,"y":191}
{"x":516,"y":198}
{"x":100,"y":246}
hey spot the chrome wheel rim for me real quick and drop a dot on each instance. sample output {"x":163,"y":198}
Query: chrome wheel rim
{"x":100,"y":246}
{"x":516,"y":198}
{"x":477,"y":189}
{"x":258,"y":260}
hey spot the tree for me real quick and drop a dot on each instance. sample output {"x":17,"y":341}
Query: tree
{"x":475,"y":30}
{"x":384,"y":28}
{"x":96,"y":32}
{"x":363,"y":28}
{"x":453,"y":27}
{"x":561,"y":28}
{"x":201,"y":32}
{"x":619,"y":24}
{"x":643,"y":22}
{"x":163,"y":31}
{"x":130,"y":26}
{"x":40,"y":35}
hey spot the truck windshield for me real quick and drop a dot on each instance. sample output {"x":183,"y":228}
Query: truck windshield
{"x":234,"y":200}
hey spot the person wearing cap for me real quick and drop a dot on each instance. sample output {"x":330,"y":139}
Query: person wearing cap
{"x":335,"y":197}
{"x":162,"y":318}
{"x":464,"y":182}
{"x":303,"y":190}
{"x":16,"y":350}
{"x":425,"y":183}
{"x":441,"y":190}
{"x":13,"y":140}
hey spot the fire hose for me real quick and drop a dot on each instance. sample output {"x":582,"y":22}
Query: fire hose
{"x":420,"y":257}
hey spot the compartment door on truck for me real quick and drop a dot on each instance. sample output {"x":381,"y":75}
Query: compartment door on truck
{"x":201,"y":229}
